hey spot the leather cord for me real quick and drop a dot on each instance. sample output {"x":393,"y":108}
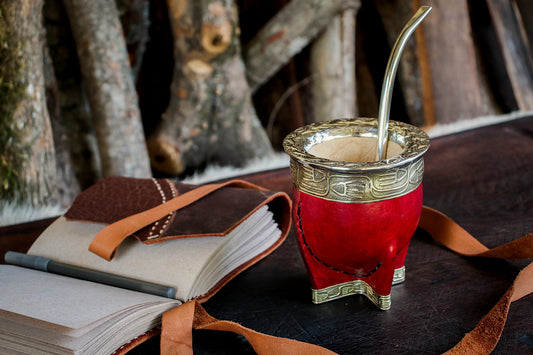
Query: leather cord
{"x":176,"y":336}
{"x":176,"y":333}
{"x":485,"y":336}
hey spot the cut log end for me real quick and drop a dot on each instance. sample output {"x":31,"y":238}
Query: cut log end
{"x":165,"y":157}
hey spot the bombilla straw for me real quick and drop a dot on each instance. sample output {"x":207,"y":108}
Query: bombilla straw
{"x":390,"y":74}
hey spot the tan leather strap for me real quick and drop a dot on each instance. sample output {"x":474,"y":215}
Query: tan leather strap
{"x":485,"y":336}
{"x":176,"y":336}
{"x":107,"y":241}
{"x":444,"y":230}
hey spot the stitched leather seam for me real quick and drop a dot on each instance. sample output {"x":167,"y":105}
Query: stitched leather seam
{"x":168,"y":218}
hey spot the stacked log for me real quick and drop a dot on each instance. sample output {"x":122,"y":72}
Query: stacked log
{"x":210,"y":117}
{"x":469,"y":59}
{"x":332,"y":62}
{"x":206,"y":99}
{"x":27,"y":155}
{"x":107,"y":75}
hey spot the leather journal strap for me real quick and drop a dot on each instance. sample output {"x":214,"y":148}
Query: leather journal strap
{"x":445,"y":231}
{"x":107,"y":241}
{"x":484,"y":337}
{"x":176,"y":335}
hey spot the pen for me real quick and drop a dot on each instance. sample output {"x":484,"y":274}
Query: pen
{"x":49,"y":265}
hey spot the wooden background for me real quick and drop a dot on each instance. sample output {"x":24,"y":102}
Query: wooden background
{"x":129,"y":88}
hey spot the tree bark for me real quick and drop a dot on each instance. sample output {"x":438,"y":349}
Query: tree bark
{"x":293,"y":27}
{"x":108,"y":78}
{"x":76,"y":121}
{"x":451,"y":83}
{"x":210,"y":117}
{"x":512,"y":41}
{"x":27,"y":157}
{"x":333,"y":66}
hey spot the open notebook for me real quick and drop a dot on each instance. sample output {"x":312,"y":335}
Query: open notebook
{"x":53,"y":314}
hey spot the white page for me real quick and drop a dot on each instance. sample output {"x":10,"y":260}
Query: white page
{"x":65,"y":304}
{"x":173,"y":262}
{"x":104,"y":339}
{"x":252,"y":237}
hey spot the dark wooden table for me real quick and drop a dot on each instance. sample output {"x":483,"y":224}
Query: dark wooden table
{"x":482,"y":178}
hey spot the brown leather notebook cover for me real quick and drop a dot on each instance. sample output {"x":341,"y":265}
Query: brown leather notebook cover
{"x":164,"y":213}
{"x":208,"y":210}
{"x":215,"y":214}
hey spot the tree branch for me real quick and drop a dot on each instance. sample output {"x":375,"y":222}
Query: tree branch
{"x":293,"y":27}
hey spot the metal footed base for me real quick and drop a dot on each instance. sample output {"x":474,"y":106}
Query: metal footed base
{"x":357,"y":287}
{"x":399,"y":276}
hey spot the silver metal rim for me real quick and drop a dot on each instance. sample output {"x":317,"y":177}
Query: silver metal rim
{"x":413,"y":141}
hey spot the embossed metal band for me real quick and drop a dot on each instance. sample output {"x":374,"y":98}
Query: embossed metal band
{"x":355,"y":287}
{"x":357,"y":187}
{"x":356,"y":182}
{"x":399,"y":276}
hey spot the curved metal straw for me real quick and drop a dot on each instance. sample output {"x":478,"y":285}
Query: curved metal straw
{"x":390,"y":74}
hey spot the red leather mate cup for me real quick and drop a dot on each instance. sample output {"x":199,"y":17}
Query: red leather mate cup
{"x":354,"y":216}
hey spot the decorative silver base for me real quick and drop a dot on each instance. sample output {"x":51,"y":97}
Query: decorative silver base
{"x":357,"y":287}
{"x":399,"y":276}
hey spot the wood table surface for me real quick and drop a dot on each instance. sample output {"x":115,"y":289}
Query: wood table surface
{"x":482,"y":178}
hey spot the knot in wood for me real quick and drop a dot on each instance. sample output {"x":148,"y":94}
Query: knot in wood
{"x":216,"y":37}
{"x":199,"y":67}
